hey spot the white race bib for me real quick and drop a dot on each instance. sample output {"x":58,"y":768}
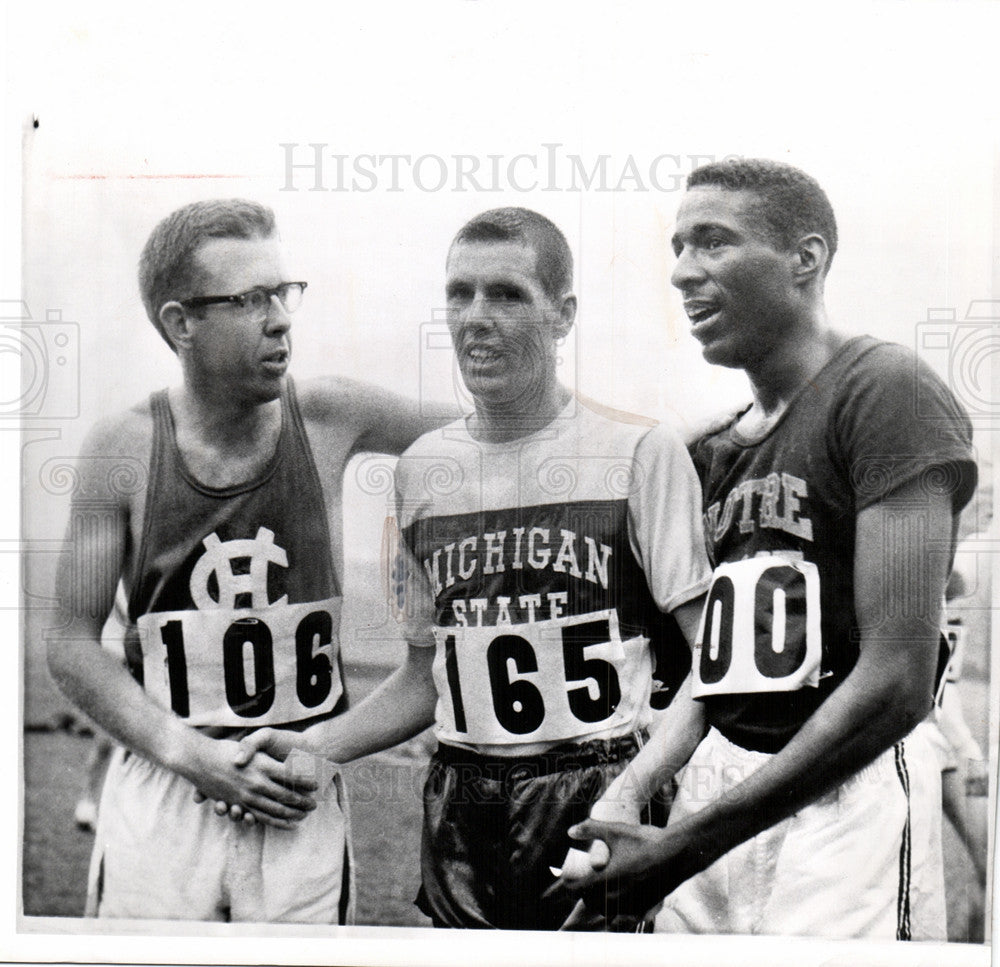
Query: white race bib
{"x":956,"y":634}
{"x":760,"y":630}
{"x":253,"y":666}
{"x":545,"y":681}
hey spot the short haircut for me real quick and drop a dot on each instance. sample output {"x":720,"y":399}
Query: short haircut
{"x":167,"y":270}
{"x":553,"y":259}
{"x":791,"y":202}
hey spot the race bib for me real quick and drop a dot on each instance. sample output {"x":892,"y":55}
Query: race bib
{"x":544,"y":681}
{"x":951,"y":652}
{"x":253,"y":666}
{"x":760,"y":630}
{"x":956,"y":636}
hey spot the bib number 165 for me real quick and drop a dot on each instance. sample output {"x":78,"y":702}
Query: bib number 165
{"x":591,"y":684}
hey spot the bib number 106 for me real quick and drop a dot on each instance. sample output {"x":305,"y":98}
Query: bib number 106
{"x":518,"y":703}
{"x":313,"y":669}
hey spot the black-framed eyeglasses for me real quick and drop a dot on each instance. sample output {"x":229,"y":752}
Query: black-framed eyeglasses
{"x":256,"y":300}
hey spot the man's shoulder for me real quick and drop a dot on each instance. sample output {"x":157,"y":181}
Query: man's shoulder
{"x":868,"y":355}
{"x":608,"y":431}
{"x":439,"y":462}
{"x":614,"y":416}
{"x":331,"y":399}
{"x":870,"y":368}
{"x":449,"y":440}
{"x":127,"y":431}
{"x":694,"y":433}
{"x":115,"y":457}
{"x":663,"y":440}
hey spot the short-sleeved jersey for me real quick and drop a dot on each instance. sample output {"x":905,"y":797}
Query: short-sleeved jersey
{"x":550,"y":560}
{"x":233,"y":603}
{"x":779,"y":631}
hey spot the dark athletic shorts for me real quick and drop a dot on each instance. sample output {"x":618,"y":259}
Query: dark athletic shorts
{"x":494,"y":825}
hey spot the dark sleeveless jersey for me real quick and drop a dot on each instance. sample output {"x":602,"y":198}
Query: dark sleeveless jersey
{"x":780,"y":630}
{"x":232,"y":599}
{"x":550,"y":560}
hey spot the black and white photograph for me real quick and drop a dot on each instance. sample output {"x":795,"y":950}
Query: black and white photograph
{"x":515,"y":467}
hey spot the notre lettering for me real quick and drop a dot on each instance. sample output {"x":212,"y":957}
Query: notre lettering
{"x":772,"y":501}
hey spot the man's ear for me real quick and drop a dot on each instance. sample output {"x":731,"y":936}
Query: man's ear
{"x":812,"y":256}
{"x":176,"y":324}
{"x":567,"y":315}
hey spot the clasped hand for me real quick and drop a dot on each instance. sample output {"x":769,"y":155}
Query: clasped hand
{"x":623,"y":868}
{"x":255,"y":780}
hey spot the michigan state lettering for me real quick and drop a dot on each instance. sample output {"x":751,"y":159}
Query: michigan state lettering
{"x":527,"y":547}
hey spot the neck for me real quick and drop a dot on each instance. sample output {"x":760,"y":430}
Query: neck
{"x":502,"y":422}
{"x":223,"y":422}
{"x":785,"y":369}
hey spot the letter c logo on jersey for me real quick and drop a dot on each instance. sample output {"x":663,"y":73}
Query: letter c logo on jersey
{"x":247,"y":589}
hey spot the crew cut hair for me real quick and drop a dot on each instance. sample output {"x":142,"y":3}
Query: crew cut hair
{"x":792,"y":203}
{"x":553,"y":259}
{"x":167,"y":269}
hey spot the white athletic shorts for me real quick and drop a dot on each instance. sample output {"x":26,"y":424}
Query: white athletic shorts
{"x":160,"y":855}
{"x":863,"y":861}
{"x":944,"y":751}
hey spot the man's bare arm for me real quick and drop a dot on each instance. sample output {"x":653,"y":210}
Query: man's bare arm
{"x":382,"y":421}
{"x":674,"y":738}
{"x":98,"y":682}
{"x":400,"y":708}
{"x":902,"y":555}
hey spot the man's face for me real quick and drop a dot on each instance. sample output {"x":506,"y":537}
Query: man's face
{"x":737,"y":284}
{"x":503,"y":325}
{"x":244,"y":353}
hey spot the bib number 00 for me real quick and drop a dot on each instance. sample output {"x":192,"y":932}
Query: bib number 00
{"x":760,"y":630}
{"x":518,"y":703}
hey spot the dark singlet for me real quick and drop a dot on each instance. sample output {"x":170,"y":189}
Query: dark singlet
{"x":233,"y":601}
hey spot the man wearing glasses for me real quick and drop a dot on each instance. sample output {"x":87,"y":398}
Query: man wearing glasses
{"x":216,"y":594}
